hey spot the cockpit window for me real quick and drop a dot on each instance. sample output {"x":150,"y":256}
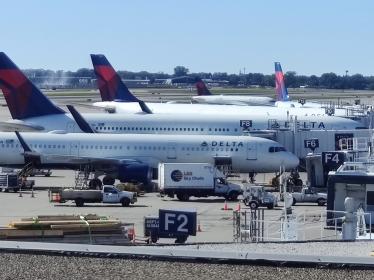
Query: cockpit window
{"x":276,"y":149}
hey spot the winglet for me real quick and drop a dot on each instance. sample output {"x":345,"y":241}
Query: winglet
{"x":109,"y":82}
{"x":145,"y":108}
{"x":201,"y":87}
{"x":24,"y":145}
{"x":280,"y":88}
{"x":24,"y":99}
{"x":82,"y":123}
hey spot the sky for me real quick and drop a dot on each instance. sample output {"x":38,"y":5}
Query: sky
{"x":308,"y":37}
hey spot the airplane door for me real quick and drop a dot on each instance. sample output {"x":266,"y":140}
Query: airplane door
{"x":74,"y":148}
{"x":251,"y":150}
{"x":172,"y":150}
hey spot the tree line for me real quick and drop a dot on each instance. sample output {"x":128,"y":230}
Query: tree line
{"x":86,"y":78}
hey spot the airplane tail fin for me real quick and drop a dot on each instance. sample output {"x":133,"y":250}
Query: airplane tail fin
{"x":23,"y":98}
{"x":109,"y":82}
{"x":201,"y":87}
{"x":280,"y":87}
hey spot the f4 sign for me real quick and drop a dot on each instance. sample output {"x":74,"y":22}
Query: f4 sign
{"x":177,"y":222}
{"x":311,"y":143}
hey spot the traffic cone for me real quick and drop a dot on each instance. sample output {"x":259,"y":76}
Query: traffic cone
{"x":225,"y":207}
{"x":238,"y":208}
{"x":131,"y":234}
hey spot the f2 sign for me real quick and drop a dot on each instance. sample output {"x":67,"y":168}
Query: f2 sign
{"x":177,"y":222}
{"x":311,"y":143}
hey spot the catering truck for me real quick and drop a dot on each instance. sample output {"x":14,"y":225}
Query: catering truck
{"x":108,"y":194}
{"x":194,"y":179}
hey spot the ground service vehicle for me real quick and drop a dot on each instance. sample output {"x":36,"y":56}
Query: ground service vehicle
{"x":10,"y":180}
{"x":195,"y":179}
{"x":108,"y":194}
{"x":308,"y":195}
{"x":256,"y":196}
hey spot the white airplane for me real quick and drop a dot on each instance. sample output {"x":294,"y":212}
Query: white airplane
{"x":132,"y":156}
{"x":117,"y":98}
{"x":33,"y":111}
{"x":282,"y":98}
{"x":206,"y":97}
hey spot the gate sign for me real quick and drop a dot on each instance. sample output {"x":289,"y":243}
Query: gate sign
{"x":177,"y":222}
{"x":246,"y":124}
{"x":311,"y":143}
{"x":342,"y":137}
{"x":332,"y":160}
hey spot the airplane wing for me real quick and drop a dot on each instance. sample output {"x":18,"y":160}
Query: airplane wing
{"x":18,"y":125}
{"x":85,"y":105}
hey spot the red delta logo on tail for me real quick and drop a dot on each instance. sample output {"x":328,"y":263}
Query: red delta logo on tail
{"x":23,"y":98}
{"x":107,"y":83}
{"x":16,"y":91}
{"x":280,"y":87}
{"x":201,"y":87}
{"x":110,"y":84}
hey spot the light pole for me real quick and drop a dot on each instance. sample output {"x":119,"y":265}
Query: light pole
{"x":345,"y":79}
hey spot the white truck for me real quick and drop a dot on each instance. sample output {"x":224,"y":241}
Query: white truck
{"x":256,"y":196}
{"x":308,"y":195}
{"x":194,"y":179}
{"x":108,"y":194}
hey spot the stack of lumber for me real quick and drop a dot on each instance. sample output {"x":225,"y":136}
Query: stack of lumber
{"x":61,"y":225}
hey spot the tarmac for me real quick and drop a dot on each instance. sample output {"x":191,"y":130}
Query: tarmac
{"x":216,"y":224}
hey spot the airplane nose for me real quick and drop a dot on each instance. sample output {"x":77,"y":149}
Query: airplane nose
{"x":291,"y":161}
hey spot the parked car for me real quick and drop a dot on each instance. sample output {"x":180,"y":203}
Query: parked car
{"x":308,"y":195}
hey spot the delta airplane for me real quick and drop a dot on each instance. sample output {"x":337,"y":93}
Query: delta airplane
{"x":31,"y":110}
{"x":132,"y":156}
{"x":283,"y":99}
{"x":116,"y":97}
{"x":204,"y":96}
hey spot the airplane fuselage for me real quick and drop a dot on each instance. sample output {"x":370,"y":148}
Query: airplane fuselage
{"x":209,"y":109}
{"x":246,"y":153}
{"x":181,"y":123}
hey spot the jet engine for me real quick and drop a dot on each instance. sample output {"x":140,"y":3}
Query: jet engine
{"x":138,"y":172}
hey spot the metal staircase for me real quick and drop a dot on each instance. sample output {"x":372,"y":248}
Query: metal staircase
{"x":82,"y":177}
{"x":26,"y":170}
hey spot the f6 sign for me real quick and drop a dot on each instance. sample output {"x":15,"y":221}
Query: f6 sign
{"x":177,"y":222}
{"x":311,"y":143}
